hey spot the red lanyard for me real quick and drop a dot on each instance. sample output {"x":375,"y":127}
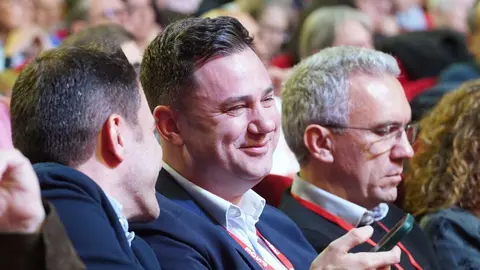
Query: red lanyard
{"x":347,"y":226}
{"x":259,"y":259}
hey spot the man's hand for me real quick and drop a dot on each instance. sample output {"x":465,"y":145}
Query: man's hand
{"x":21,"y":208}
{"x":336,"y":255}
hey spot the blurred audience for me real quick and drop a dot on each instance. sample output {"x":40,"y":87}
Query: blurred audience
{"x":83,"y":13}
{"x":410,"y":15}
{"x":274,"y":23}
{"x":49,"y":17}
{"x":450,"y":13}
{"x":455,"y":74}
{"x":334,"y":26}
{"x":141,"y":22}
{"x":443,"y":180}
{"x":20,"y":38}
{"x":109,"y":35}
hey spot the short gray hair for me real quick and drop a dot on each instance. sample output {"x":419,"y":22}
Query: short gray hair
{"x":319,"y":28}
{"x":317,"y":90}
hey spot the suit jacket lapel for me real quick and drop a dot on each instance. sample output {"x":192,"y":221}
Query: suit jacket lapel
{"x":168,"y":187}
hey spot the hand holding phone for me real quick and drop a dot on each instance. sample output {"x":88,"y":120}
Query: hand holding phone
{"x":395,"y":235}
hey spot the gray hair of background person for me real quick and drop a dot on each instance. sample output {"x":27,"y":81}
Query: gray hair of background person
{"x":320,"y":27}
{"x":317,"y":92}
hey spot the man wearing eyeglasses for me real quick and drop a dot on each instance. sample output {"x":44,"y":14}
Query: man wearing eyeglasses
{"x":346,"y":118}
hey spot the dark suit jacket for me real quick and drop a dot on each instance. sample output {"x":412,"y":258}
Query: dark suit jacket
{"x":90,"y":221}
{"x":320,"y":232}
{"x":185,"y":236}
{"x":50,"y":249}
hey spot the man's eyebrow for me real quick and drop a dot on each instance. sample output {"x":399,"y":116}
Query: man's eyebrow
{"x":387,"y":123}
{"x":268,"y":91}
{"x":236,"y":99}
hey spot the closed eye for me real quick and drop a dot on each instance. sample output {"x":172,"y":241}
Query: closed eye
{"x":386,"y":130}
{"x":235,"y":108}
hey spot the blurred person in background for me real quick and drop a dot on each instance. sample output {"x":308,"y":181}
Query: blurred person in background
{"x":455,"y":74}
{"x":274,"y":21}
{"x":20,"y":38}
{"x":379,"y":12}
{"x":141,"y":22}
{"x":335,"y":26}
{"x":410,"y":15}
{"x":49,"y":16}
{"x":83,"y":13}
{"x":114,"y":34}
{"x":186,"y":7}
{"x":443,"y":180}
{"x":450,"y":13}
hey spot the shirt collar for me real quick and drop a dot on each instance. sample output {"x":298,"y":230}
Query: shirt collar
{"x":352,"y":213}
{"x":251,"y":204}
{"x":117,"y":207}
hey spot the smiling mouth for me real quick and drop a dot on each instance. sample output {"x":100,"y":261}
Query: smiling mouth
{"x":256,"y":149}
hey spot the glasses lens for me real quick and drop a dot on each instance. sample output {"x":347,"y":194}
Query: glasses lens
{"x":412,"y":132}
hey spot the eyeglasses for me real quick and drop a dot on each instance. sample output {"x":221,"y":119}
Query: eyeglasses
{"x":387,"y":135}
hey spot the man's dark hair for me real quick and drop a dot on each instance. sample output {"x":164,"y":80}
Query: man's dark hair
{"x":170,"y":61}
{"x":61,"y":100}
{"x":111,"y":36}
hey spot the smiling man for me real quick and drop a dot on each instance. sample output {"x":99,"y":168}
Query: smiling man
{"x":212,"y":99}
{"x":346,"y":118}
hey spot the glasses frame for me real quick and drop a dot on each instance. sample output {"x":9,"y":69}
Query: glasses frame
{"x":411,"y":130}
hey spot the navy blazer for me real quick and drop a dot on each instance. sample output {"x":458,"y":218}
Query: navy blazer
{"x":90,"y":221}
{"x":321,"y":232}
{"x":185,"y":236}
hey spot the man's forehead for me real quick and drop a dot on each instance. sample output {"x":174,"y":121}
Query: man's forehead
{"x":238,"y":72}
{"x":378,"y":98}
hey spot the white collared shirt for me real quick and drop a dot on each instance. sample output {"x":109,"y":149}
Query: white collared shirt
{"x":352,"y":213}
{"x":239,"y":220}
{"x":117,"y":207}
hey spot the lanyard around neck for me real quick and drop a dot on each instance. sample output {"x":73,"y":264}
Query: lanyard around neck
{"x":259,"y":259}
{"x":347,"y":227}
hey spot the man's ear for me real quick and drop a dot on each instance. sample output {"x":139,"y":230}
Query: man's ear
{"x":113,"y":140}
{"x":166,"y":120}
{"x":317,"y":140}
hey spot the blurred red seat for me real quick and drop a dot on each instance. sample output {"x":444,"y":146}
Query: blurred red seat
{"x":272,"y":187}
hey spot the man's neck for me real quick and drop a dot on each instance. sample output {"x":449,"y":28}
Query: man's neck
{"x":107,"y":181}
{"x":223,"y":186}
{"x":321,"y":180}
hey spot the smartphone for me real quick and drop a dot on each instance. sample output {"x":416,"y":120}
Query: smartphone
{"x":395,"y":235}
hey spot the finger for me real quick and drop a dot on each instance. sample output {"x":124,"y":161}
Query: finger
{"x":9,"y":158}
{"x":17,"y":166}
{"x":375,"y":260}
{"x":351,"y":239}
